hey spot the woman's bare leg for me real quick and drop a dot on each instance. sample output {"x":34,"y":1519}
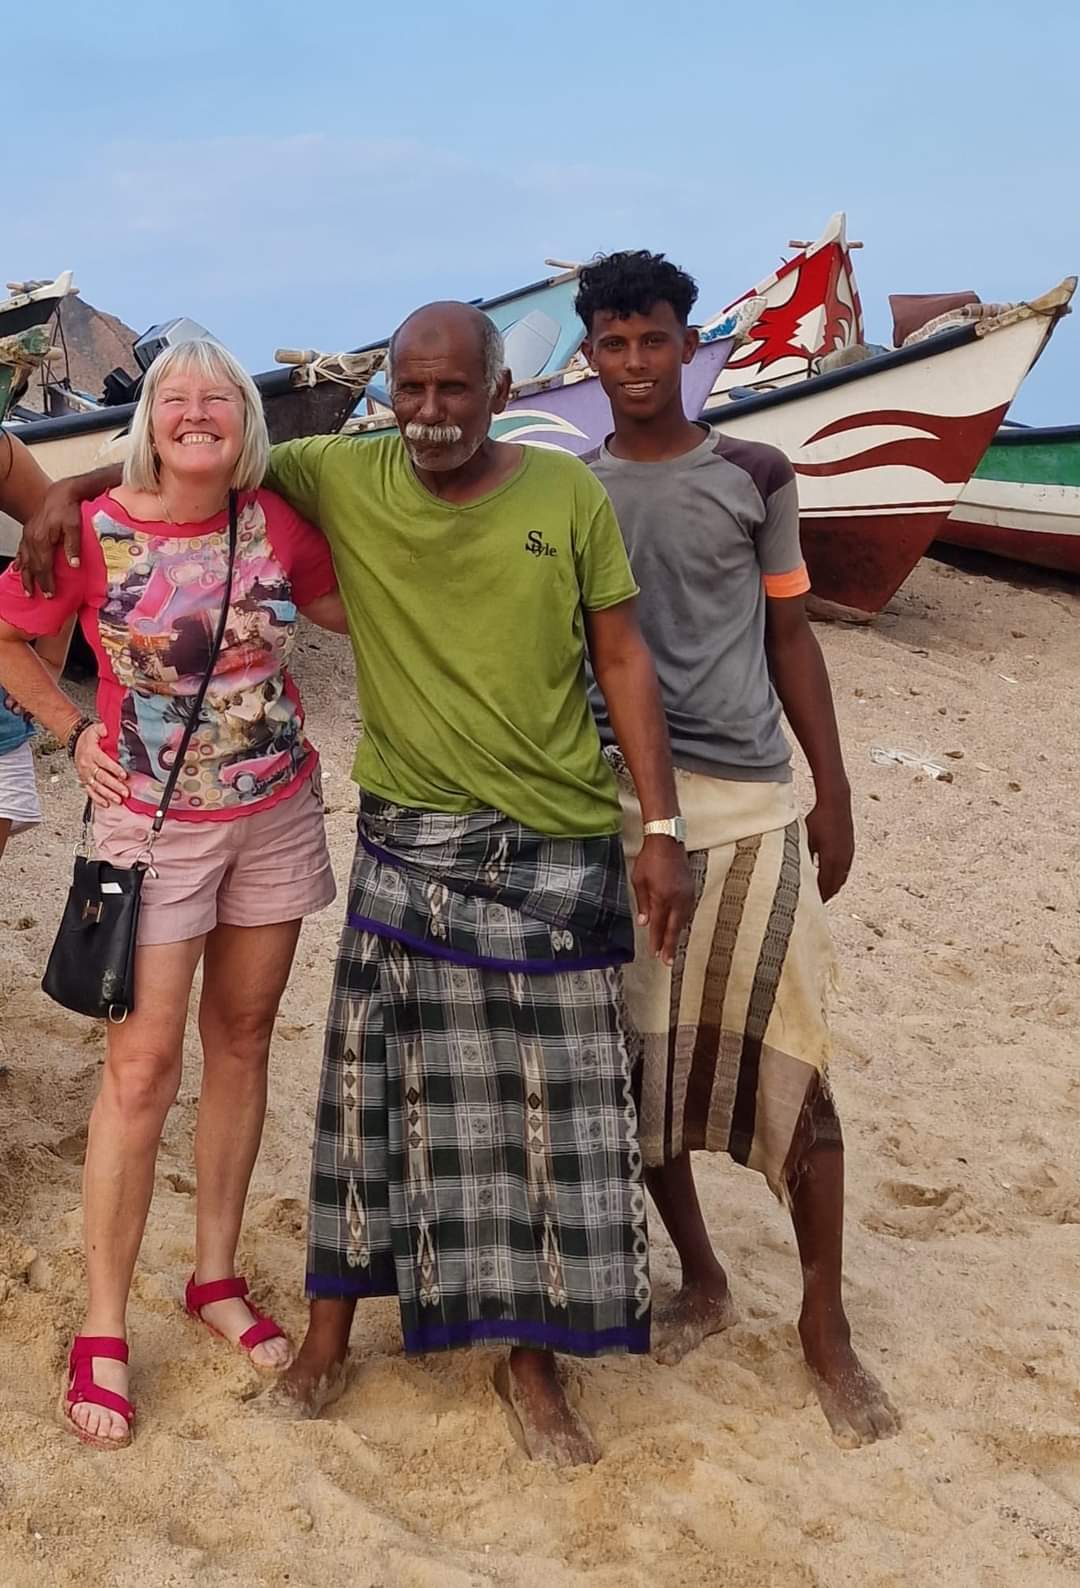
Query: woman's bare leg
{"x":138,"y":1086}
{"x":245,"y":970}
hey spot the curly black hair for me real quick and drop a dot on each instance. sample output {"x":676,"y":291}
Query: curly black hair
{"x":633,"y":282}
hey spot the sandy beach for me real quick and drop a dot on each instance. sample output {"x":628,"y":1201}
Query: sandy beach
{"x":956,"y":1075}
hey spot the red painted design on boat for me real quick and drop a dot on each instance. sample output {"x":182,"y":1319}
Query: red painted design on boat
{"x":776,"y":335}
{"x":944,"y":452}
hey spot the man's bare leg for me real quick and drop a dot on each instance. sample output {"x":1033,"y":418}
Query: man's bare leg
{"x":703,"y":1305}
{"x":858,"y":1409}
{"x":549,"y":1428}
{"x":317,"y":1375}
{"x":5,"y":833}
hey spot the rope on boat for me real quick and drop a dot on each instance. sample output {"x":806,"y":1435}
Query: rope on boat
{"x":343,"y":369}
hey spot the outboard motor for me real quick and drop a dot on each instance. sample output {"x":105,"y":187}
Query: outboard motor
{"x":121,"y":387}
{"x":159,"y":337}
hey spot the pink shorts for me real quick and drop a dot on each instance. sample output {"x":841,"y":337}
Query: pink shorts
{"x":251,"y":871}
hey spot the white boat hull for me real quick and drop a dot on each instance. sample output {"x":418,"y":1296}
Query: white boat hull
{"x":883,"y":450}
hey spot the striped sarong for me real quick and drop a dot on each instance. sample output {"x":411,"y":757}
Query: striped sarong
{"x":734,"y":1036}
{"x":476,"y":1148}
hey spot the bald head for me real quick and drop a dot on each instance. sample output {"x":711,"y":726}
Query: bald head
{"x":446,"y":381}
{"x":458,"y":332}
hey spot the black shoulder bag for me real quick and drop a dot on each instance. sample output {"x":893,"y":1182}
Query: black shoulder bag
{"x":91,"y":969}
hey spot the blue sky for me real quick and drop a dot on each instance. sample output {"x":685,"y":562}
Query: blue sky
{"x":306,"y":174}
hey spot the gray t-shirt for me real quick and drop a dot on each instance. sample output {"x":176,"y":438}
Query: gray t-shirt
{"x":709,"y":535}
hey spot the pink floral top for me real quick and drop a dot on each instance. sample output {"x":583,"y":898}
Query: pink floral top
{"x":149,"y":596}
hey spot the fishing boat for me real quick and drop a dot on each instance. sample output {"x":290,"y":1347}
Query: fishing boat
{"x":33,"y":303}
{"x":1023,"y":501}
{"x":883,"y":448}
{"x":313,"y":396}
{"x":809,"y":308}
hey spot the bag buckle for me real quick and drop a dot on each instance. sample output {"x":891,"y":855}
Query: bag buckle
{"x":92,"y":911}
{"x":145,"y":857}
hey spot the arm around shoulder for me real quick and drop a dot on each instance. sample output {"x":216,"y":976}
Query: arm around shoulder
{"x":59,"y":519}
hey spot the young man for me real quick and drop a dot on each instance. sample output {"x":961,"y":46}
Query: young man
{"x":476,"y":1141}
{"x":734,"y":1034}
{"x":22,"y":491}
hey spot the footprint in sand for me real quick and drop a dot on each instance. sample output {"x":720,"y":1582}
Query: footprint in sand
{"x":920,"y":1212}
{"x":71,"y":1148}
{"x":1052,"y":1195}
{"x":280,"y":1215}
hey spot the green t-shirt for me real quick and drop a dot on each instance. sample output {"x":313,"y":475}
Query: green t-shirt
{"x":467,"y":627}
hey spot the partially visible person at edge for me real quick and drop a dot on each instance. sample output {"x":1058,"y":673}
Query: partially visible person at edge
{"x":22,"y":492}
{"x":735,"y":1034}
{"x":476,"y":1147}
{"x":242,"y":855}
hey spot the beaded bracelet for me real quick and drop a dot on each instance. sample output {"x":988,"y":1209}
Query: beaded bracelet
{"x":76,"y":733}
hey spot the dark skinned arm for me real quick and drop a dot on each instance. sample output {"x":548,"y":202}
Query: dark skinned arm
{"x":23,"y":485}
{"x":328,"y":612}
{"x":627,"y":678}
{"x":801,"y":681}
{"x":59,"y":518}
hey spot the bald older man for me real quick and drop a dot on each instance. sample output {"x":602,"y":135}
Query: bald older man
{"x":476,"y":1148}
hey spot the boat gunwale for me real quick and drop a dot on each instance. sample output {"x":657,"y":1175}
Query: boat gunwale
{"x":944,"y":342}
{"x":1035,"y":435}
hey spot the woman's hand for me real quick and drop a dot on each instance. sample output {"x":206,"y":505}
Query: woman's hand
{"x":104,"y":780}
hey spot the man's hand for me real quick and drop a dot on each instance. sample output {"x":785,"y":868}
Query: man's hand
{"x":831,"y":834}
{"x":665,"y":893}
{"x":58,"y":518}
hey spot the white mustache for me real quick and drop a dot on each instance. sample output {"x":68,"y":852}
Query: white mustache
{"x":434,"y":435}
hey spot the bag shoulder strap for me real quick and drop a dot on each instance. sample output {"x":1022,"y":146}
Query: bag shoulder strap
{"x":197,"y":703}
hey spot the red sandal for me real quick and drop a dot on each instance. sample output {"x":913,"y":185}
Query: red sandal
{"x":83,"y":1390}
{"x":196,"y":1297}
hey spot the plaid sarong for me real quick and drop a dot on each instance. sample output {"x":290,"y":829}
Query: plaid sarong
{"x":734,"y":1037}
{"x":476,"y":1146}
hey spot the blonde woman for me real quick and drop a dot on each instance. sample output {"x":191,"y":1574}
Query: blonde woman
{"x":242,"y":856}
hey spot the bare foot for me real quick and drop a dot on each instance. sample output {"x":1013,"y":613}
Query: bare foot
{"x":106,"y":1429}
{"x":306,"y":1390}
{"x":541,"y":1419}
{"x":695,"y":1313}
{"x":857,"y":1406}
{"x":232,"y":1318}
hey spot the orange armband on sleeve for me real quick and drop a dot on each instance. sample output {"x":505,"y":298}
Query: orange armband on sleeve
{"x":795,"y":583}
